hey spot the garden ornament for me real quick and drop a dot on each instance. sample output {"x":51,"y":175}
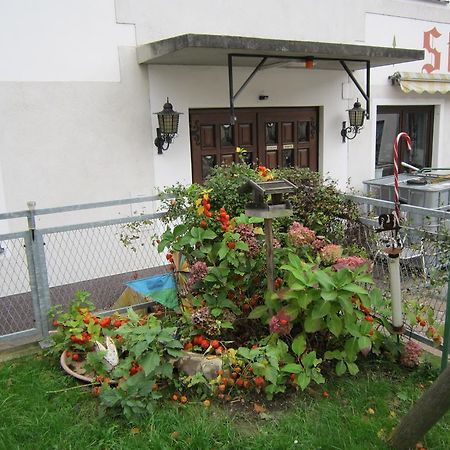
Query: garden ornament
{"x":393,"y":244}
{"x":111,"y":359}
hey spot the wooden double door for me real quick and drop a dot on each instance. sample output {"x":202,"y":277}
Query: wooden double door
{"x":274,"y":137}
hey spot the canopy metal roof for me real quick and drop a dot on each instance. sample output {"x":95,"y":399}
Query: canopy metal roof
{"x":212,"y":50}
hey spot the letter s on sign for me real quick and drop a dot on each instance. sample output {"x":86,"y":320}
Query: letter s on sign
{"x":427,"y":45}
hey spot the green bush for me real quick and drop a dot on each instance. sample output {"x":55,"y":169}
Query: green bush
{"x":318,"y":204}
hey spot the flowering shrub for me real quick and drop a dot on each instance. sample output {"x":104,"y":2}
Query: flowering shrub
{"x":300,"y":235}
{"x":351,"y":263}
{"x":330,"y":254}
{"x":324,"y":313}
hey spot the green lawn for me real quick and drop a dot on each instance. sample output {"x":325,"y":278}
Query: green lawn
{"x":358,"y":413}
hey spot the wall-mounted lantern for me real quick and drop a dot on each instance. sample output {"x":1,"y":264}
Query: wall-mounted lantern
{"x":167,"y":127}
{"x":356,"y":117}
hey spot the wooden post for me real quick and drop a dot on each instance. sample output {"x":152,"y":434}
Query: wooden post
{"x":269,"y":253}
{"x":433,"y":404}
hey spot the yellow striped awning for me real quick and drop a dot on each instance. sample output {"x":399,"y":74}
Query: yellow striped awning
{"x":431,"y":83}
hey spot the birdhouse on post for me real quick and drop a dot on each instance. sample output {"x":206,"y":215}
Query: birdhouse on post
{"x":268,"y":202}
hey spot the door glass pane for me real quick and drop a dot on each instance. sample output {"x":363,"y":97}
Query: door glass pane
{"x":271,"y":133}
{"x":387,"y":130}
{"x":208,"y":162}
{"x":303,"y":131}
{"x":417,"y":127}
{"x":226,"y":135}
{"x":288,"y":158}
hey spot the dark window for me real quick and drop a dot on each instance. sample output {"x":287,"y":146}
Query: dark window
{"x":417,"y":121}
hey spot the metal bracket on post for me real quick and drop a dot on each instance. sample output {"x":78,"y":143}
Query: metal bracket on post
{"x":364,"y":93}
{"x":234,"y":96}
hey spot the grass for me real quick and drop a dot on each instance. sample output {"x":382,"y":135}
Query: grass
{"x":358,"y":414}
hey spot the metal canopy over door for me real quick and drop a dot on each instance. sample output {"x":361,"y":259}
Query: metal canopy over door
{"x":275,"y":137}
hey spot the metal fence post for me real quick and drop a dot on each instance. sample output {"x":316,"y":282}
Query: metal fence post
{"x":38,"y":270}
{"x":444,"y":360}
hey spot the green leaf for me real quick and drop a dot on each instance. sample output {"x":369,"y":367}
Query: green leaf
{"x":303,"y":380}
{"x":312,"y":325}
{"x":324,"y":279}
{"x":244,"y":352}
{"x":242,"y":246}
{"x":341,"y":368}
{"x":209,"y":234}
{"x":309,"y":360}
{"x":292,"y":368}
{"x":224,"y":250}
{"x":352,"y":368}
{"x":139,"y":348}
{"x":335,"y":324}
{"x":299,"y":344}
{"x":351,"y":348}
{"x":258,"y":312}
{"x":354,"y":288}
{"x":150,"y":362}
{"x":291,"y":310}
{"x":216,"y":312}
{"x":335,"y":354}
{"x":364,"y":342}
{"x":179,"y":230}
{"x":329,"y":295}
{"x":321,"y":310}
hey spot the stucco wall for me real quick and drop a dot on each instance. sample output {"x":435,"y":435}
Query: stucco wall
{"x":76,"y":109}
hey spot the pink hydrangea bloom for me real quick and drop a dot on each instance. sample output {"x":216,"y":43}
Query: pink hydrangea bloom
{"x":411,"y":354}
{"x":318,"y":243}
{"x":280,"y":323}
{"x":276,"y":243}
{"x":351,"y":263}
{"x":330,"y":253}
{"x":300,"y":235}
{"x":198,"y":271}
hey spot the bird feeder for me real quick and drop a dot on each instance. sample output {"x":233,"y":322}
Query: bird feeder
{"x":268,"y":202}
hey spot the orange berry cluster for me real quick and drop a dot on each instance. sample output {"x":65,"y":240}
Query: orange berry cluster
{"x":224,"y":219}
{"x":263,"y":171}
{"x":431,"y":331}
{"x":206,"y":206}
{"x":205,"y":344}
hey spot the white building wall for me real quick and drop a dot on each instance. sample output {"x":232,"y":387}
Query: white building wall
{"x":76,"y":109}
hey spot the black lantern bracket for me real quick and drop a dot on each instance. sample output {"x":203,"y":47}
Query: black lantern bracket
{"x":167,"y":127}
{"x":356,"y":117}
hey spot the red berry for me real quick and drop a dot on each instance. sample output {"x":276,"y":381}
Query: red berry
{"x":75,"y":357}
{"x":369,"y":318}
{"x":215,"y":344}
{"x":325,"y":394}
{"x":105,"y":322}
{"x":259,"y":381}
{"x":204,"y":224}
{"x":55,"y":323}
{"x":231,"y":245}
{"x":205,"y":344}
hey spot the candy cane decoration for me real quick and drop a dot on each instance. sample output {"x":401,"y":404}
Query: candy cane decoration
{"x":396,"y":163}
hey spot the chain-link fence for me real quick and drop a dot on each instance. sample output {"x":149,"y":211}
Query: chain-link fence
{"x":424,"y":259}
{"x":42,"y":267}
